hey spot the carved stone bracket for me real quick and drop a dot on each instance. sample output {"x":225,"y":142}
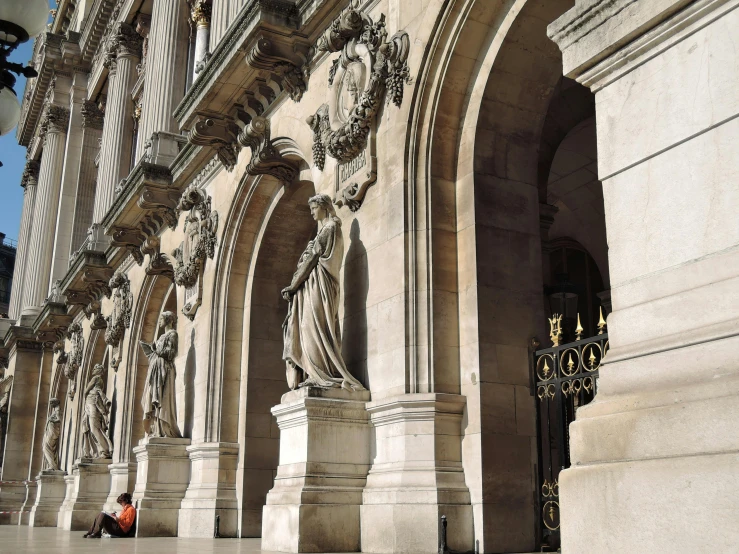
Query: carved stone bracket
{"x":120,"y":318}
{"x":286,"y":62}
{"x":219,"y":133}
{"x":130,"y":238}
{"x":265,"y":158}
{"x":158,"y":264}
{"x":201,"y":227}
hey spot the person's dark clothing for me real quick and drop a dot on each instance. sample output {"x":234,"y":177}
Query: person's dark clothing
{"x":104,"y":522}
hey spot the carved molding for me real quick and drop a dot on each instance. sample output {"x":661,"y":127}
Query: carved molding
{"x":219,"y":133}
{"x":265,"y":158}
{"x":201,"y":227}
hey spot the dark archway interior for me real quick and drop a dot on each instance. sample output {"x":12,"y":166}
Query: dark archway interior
{"x":287,"y":231}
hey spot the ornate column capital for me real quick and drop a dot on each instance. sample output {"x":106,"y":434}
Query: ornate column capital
{"x":55,"y":119}
{"x":200,"y":12}
{"x":92,"y":116}
{"x":126,"y":41}
{"x":30,"y":173}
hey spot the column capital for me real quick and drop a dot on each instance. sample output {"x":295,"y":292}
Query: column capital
{"x":125,"y":41}
{"x":200,"y":12}
{"x":30,"y":173}
{"x":92,"y":116}
{"x":55,"y":119}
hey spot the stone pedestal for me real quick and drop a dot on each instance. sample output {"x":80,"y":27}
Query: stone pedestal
{"x":324,"y":459}
{"x":12,"y":497}
{"x":211,"y":492}
{"x":25,"y":515}
{"x":87,"y":489}
{"x":416,"y":476}
{"x":50,"y":493}
{"x":122,"y":479}
{"x":162,"y":476}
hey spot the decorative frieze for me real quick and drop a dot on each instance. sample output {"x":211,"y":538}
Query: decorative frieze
{"x":201,"y":227}
{"x":120,"y":318}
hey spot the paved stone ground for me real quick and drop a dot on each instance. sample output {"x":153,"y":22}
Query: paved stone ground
{"x":15,"y":539}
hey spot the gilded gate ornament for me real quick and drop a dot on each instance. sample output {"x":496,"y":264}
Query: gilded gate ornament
{"x":201,"y":226}
{"x":120,"y":318}
{"x":369,"y":71}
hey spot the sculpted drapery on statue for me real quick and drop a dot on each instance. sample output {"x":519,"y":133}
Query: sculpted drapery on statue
{"x":160,"y":413}
{"x":51,"y":436}
{"x":95,"y":440}
{"x":312,"y":341}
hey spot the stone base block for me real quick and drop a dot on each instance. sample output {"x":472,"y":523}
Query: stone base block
{"x":25,"y":515}
{"x":416,"y":476}
{"x":211,"y":493}
{"x":12,"y":498}
{"x":162,"y":476}
{"x":324,"y":459}
{"x":87,"y":490}
{"x":50,"y":493}
{"x":122,"y":479}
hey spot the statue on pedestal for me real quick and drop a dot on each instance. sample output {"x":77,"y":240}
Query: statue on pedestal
{"x":312,"y":341}
{"x":158,"y":402}
{"x":95,"y":441}
{"x":51,"y":436}
{"x":6,"y":385}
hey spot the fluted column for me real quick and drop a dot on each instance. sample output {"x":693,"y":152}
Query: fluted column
{"x":201,"y":14}
{"x":29,"y":182}
{"x":40,"y":251}
{"x":115,"y":159}
{"x":92,"y":131}
{"x":219,"y":21}
{"x":166,"y":69}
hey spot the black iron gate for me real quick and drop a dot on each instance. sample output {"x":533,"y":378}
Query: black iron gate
{"x":565,"y":377}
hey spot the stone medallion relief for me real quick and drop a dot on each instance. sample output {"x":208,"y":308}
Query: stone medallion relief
{"x":369,"y":71}
{"x":120,"y":318}
{"x":201,"y":226}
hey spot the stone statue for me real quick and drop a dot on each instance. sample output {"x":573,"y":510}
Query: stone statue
{"x":312,"y":341}
{"x":160,"y":414}
{"x":95,"y":441}
{"x":51,"y":436}
{"x":5,"y":386}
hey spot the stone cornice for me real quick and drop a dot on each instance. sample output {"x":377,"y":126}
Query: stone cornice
{"x":21,"y":337}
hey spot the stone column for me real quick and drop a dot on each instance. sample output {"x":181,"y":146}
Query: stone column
{"x":115,"y":158}
{"x":36,"y":286}
{"x":166,"y":69}
{"x":70,"y":173}
{"x":201,"y":13}
{"x":92,"y":131}
{"x":29,"y":182}
{"x":654,"y":456}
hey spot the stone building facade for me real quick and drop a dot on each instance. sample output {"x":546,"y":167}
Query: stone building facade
{"x":479,"y":154}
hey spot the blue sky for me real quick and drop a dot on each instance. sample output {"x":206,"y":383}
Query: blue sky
{"x":13,"y":157}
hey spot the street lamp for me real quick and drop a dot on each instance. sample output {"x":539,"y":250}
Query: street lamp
{"x":20,"y":20}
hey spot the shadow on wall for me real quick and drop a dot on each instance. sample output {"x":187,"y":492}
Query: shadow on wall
{"x":356,"y":287}
{"x":189,"y":379}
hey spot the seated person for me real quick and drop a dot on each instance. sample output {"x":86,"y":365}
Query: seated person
{"x":116,"y":524}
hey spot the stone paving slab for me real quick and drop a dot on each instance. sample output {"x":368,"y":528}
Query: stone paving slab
{"x":51,"y":540}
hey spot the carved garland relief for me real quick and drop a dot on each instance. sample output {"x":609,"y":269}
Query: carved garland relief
{"x":368,"y":71}
{"x":120,"y":318}
{"x":201,"y":226}
{"x":74,"y":358}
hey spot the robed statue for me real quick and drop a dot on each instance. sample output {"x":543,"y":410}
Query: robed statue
{"x":312,"y":340}
{"x":158,"y":402}
{"x":51,"y":436}
{"x":95,"y":420}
